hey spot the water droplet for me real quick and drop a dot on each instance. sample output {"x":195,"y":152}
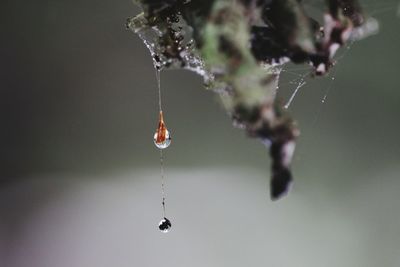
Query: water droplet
{"x":162,"y":137}
{"x":164,"y":225}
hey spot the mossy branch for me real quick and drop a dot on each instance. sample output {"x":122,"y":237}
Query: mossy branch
{"x":236,"y":44}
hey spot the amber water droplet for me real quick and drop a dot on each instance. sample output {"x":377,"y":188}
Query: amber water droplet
{"x":162,"y":137}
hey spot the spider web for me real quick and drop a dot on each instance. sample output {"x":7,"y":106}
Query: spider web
{"x":294,"y":78}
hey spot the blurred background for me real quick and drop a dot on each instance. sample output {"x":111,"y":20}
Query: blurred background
{"x":79,"y":174}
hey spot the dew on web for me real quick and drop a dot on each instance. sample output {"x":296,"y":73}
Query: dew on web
{"x":323,"y":100}
{"x":332,"y":77}
{"x":186,"y":56}
{"x":300,"y":82}
{"x":370,"y":27}
{"x":332,"y":74}
{"x":293,"y":77}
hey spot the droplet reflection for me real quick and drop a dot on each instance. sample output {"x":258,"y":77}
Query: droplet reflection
{"x":162,"y":137}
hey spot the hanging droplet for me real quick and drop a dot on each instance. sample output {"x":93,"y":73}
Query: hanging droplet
{"x":162,"y":137}
{"x":164,"y":225}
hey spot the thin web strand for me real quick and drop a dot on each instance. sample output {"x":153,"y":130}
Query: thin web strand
{"x":162,"y":181}
{"x":162,"y":171}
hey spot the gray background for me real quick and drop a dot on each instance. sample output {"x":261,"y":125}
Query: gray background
{"x":79,"y":174}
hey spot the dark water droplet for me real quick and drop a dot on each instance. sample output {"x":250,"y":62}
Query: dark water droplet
{"x":164,"y":225}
